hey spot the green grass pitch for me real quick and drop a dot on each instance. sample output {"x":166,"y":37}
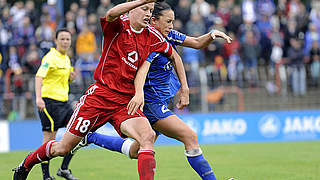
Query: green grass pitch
{"x":256,"y":161}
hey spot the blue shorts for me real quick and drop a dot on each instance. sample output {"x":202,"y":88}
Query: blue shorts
{"x":157,"y":111}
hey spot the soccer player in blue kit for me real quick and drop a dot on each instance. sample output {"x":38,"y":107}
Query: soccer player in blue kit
{"x":161,"y":85}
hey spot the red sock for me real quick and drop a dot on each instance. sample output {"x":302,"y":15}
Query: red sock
{"x":146,"y":164}
{"x":40,"y":155}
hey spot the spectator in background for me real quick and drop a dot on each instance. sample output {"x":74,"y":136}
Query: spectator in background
{"x":44,"y":35}
{"x":32,"y":13}
{"x":95,"y":29}
{"x":223,"y":12}
{"x":200,"y":7}
{"x":3,"y":5}
{"x":5,"y":36}
{"x":81,"y":19}
{"x":315,"y":63}
{"x":298,"y":72}
{"x":250,"y":54}
{"x":74,"y":8}
{"x":30,"y":64}
{"x":235,"y":68}
{"x":265,"y":8}
{"x":302,"y":19}
{"x":70,"y":20}
{"x":315,"y":14}
{"x":195,"y":27}
{"x":14,"y":85}
{"x":248,"y":11}
{"x":183,"y":12}
{"x":248,"y":25}
{"x":85,"y":66}
{"x":31,"y":61}
{"x":23,"y":35}
{"x":104,"y":6}
{"x":86,"y":44}
{"x":235,"y":20}
{"x":86,"y":5}
{"x":216,"y":48}
{"x":289,"y":33}
{"x":231,"y":48}
{"x":265,"y":29}
{"x":17,"y":11}
{"x":311,"y":35}
{"x":209,"y":20}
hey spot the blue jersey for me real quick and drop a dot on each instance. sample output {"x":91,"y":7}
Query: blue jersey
{"x":161,"y":83}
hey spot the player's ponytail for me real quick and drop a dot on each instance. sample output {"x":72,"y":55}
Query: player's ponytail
{"x":159,"y":7}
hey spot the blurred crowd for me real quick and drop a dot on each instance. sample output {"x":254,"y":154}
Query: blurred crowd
{"x":281,"y":38}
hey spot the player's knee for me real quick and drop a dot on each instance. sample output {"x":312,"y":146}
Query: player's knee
{"x":148,"y":138}
{"x":191,"y":138}
{"x":62,"y":150}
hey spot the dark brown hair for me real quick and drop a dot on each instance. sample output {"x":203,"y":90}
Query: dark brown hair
{"x":62,"y":30}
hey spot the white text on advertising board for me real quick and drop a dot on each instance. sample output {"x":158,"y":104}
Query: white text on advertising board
{"x":224,"y":127}
{"x":305,"y":124}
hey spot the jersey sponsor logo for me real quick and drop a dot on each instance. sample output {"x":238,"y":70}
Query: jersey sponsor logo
{"x":133,"y":56}
{"x":164,"y":109}
{"x":128,"y":63}
{"x":269,"y":126}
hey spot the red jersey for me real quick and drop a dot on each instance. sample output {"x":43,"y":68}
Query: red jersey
{"x":123,"y":51}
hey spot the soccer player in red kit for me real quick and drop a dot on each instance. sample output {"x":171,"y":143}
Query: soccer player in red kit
{"x":127,"y":42}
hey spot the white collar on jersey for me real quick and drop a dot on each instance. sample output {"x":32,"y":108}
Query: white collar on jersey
{"x":140,"y":31}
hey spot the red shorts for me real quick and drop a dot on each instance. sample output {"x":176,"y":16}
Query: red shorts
{"x":97,"y":107}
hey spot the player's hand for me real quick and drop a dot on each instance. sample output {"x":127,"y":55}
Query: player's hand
{"x":217,"y":33}
{"x":183,"y":98}
{"x":40,"y":104}
{"x":72,"y":76}
{"x":136,"y":102}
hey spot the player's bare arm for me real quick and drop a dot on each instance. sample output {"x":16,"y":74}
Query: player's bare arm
{"x":123,"y":8}
{"x":204,"y":40}
{"x":138,"y":99}
{"x":184,"y":89}
{"x":39,"y":101}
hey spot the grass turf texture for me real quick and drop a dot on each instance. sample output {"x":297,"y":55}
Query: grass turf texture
{"x":259,"y":161}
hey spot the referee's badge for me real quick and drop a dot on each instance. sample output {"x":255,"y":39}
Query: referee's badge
{"x":45,"y":65}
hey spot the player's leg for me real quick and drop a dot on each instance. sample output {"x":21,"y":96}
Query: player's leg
{"x":47,"y":136}
{"x":65,"y":114}
{"x":126,"y":146}
{"x":111,"y":143}
{"x":174,"y":127}
{"x":139,"y":129}
{"x":48,"y":123}
{"x":46,"y":152}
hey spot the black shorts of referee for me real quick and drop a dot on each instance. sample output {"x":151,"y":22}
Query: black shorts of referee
{"x":56,"y":114}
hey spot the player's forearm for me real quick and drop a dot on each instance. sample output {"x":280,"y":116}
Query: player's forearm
{"x":141,"y":77}
{"x":198,"y":42}
{"x":179,"y":68}
{"x":123,"y":8}
{"x":38,"y":85}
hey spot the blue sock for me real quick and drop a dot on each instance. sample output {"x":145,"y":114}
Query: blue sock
{"x":109,"y":142}
{"x":202,"y":167}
